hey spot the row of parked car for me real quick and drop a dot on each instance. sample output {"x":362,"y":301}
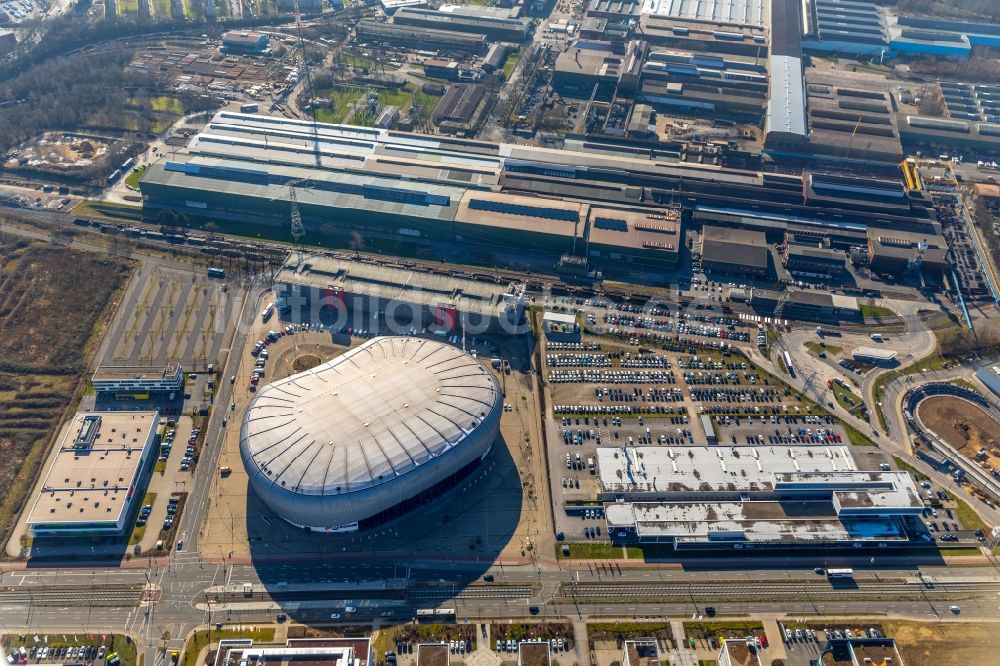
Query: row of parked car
{"x":82,"y":653}
{"x":511,"y":645}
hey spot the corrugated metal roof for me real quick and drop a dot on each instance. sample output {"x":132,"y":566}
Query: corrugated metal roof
{"x":786,"y":108}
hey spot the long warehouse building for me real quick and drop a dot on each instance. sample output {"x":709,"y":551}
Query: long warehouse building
{"x":428,"y":189}
{"x":745,"y":497}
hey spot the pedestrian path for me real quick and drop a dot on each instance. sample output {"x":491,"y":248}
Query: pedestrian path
{"x":681,"y":655}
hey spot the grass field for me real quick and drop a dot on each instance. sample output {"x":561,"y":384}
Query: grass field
{"x":92,"y":208}
{"x":598,"y":551}
{"x":201,"y":638}
{"x":167,"y":103}
{"x":907,"y":467}
{"x":855,"y":437}
{"x":343,"y":102}
{"x":817,"y":348}
{"x":132,"y":180}
{"x":51,"y":299}
{"x":944,"y":643}
{"x":876,"y":311}
{"x":510,"y":63}
{"x":966,"y":516}
{"x":955,"y":551}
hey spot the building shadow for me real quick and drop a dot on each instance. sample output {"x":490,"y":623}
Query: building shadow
{"x":417,"y":555}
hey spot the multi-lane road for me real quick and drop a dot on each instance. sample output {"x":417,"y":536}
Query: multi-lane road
{"x":188,"y":592}
{"x":171,"y":597}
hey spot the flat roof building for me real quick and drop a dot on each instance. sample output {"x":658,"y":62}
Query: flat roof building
{"x":737,"y":251}
{"x":634,"y":235}
{"x":97,"y":475}
{"x":861,"y":652}
{"x":899,"y":252}
{"x":720,"y":12}
{"x":493,"y":27}
{"x":433,"y":654}
{"x":604,"y":65}
{"x":851,"y":117}
{"x":876,"y":355}
{"x":533,"y":653}
{"x":560,"y":326}
{"x":551,"y":224}
{"x":322,"y":288}
{"x":390,"y":6}
{"x":702,"y":37}
{"x":751,"y":496}
{"x":819,"y":306}
{"x":300,"y":651}
{"x":846,"y":27}
{"x":138,"y":378}
{"x":785,"y":124}
{"x":243,"y":41}
{"x":820,"y":261}
{"x":415,"y":37}
{"x":989,"y":375}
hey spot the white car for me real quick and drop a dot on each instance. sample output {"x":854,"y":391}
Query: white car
{"x":334,"y":616}
{"x":955,"y":609}
{"x":350,"y":609}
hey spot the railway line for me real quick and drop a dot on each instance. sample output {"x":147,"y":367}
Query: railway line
{"x":63,"y":595}
{"x":666,"y":592}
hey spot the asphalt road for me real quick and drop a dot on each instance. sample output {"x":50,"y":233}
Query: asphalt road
{"x":90,"y":596}
{"x":169,"y":596}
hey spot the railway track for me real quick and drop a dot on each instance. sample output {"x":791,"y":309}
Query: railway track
{"x":74,"y":595}
{"x":474,"y":592}
{"x":898,"y":589}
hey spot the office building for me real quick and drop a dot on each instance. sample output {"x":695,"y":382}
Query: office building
{"x":96,"y":477}
{"x":138,"y":379}
{"x":753,"y":497}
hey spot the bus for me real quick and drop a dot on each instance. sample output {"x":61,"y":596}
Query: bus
{"x":216,"y":273}
{"x":268,"y":311}
{"x":835,"y":574}
{"x":788,"y":363}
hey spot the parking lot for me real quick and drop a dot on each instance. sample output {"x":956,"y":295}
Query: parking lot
{"x":173,"y":316}
{"x":495,"y":511}
{"x":613,"y":388}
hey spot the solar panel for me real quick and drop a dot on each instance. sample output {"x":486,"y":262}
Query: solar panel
{"x":527,"y":211}
{"x":610,"y":223}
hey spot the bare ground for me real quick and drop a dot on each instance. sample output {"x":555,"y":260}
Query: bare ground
{"x":963,"y":425}
{"x":945,"y":644}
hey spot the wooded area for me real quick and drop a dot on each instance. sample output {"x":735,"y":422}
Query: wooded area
{"x":986,"y":9}
{"x":982,"y":67}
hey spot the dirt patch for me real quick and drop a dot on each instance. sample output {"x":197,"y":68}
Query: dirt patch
{"x":306,"y":362}
{"x":973,"y":432}
{"x":945,"y":644}
{"x":60,"y":152}
{"x":50,"y":299}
